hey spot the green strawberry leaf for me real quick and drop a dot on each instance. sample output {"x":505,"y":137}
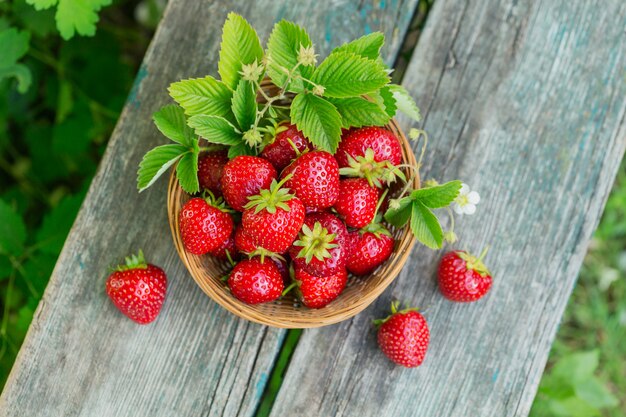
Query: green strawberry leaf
{"x":572,"y":407}
{"x":577,"y":367}
{"x":156,"y":162}
{"x":12,"y":231}
{"x":385,"y":98}
{"x":367,"y":46}
{"x":187,"y":172}
{"x":14,"y":45}
{"x":57,"y":223}
{"x":21,"y":73}
{"x":283,"y":47}
{"x":405,"y":102}
{"x":203,"y":96}
{"x":78,"y":16}
{"x":425,"y":226}
{"x":170,"y":120}
{"x":344,"y":74}
{"x":240,"y":46}
{"x":215,"y":129}
{"x":240,"y":149}
{"x":399,"y":216}
{"x":318,"y":119}
{"x":42,"y":4}
{"x":439,"y":195}
{"x":244,"y":104}
{"x":358,"y":112}
{"x":594,"y":392}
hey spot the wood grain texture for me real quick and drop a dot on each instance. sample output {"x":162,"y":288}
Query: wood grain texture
{"x":525,"y":102}
{"x":81,"y":357}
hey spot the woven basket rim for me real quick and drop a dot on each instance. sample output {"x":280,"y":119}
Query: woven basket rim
{"x":206,"y":270}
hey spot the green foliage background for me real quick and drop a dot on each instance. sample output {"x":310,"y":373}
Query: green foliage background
{"x":52,"y":137}
{"x":59,"y":101}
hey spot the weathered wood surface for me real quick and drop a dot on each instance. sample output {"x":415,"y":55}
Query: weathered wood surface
{"x":81,"y":357}
{"x":525,"y":101}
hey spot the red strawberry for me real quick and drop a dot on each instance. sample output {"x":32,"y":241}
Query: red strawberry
{"x":403,"y":337}
{"x":281,"y":152}
{"x":254,"y":281}
{"x":243,"y":242}
{"x":227,"y":246}
{"x":210,"y":167}
{"x":204,"y":225}
{"x":314,"y":180}
{"x":355,"y":142}
{"x":357,"y":202}
{"x":369,"y":248}
{"x":137,"y":289}
{"x":245,"y":176}
{"x":316,"y":292}
{"x":273,"y":218}
{"x":463,"y":277}
{"x":321,"y":248}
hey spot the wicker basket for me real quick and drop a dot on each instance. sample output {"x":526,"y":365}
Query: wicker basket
{"x":287,"y":311}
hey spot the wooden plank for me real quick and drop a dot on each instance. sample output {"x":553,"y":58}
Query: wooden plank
{"x":81,"y":357}
{"x":524,"y":101}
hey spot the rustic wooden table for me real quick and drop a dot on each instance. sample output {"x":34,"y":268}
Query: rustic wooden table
{"x":524,"y":100}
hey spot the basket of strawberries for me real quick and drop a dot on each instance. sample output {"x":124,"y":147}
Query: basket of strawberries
{"x":295,"y":198}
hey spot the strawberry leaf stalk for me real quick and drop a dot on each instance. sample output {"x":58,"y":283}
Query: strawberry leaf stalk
{"x":273,"y":218}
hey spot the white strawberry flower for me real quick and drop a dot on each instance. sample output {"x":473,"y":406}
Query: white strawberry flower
{"x":465,"y":202}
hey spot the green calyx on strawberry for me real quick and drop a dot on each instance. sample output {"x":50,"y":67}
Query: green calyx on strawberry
{"x":315,"y":243}
{"x":377,"y":173}
{"x":133,"y":262}
{"x":272,"y":198}
{"x":273,"y":218}
{"x":474,"y":263}
{"x":394,"y":310}
{"x":263,"y":253}
{"x":216,"y":201}
{"x":375,"y":228}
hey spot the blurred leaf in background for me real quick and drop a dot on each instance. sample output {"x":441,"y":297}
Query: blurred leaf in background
{"x":60,"y":97}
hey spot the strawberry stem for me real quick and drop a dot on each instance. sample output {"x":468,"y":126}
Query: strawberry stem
{"x":230,"y":259}
{"x":289,"y":288}
{"x":483,"y":253}
{"x":380,"y":203}
{"x":211,"y":148}
{"x":295,"y":148}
